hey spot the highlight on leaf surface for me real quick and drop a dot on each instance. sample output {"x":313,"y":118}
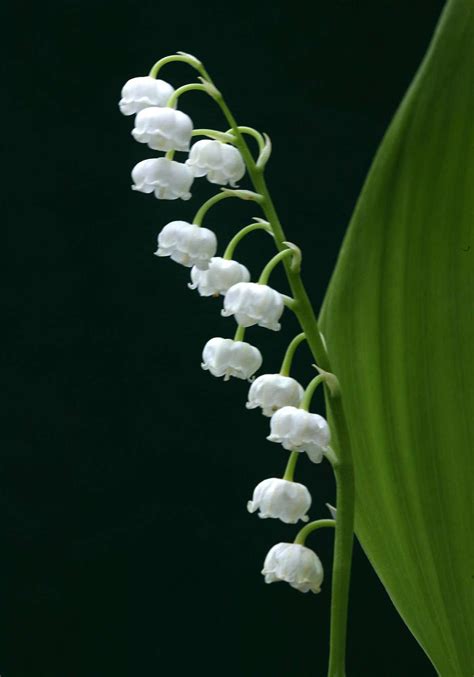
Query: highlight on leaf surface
{"x":398,"y":319}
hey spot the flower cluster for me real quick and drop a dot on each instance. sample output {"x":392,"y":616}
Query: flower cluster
{"x":164,"y":128}
{"x":220,"y":158}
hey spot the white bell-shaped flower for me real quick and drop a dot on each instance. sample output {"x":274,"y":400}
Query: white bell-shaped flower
{"x":295,"y":564}
{"x":219,"y":277}
{"x":167,"y":179}
{"x":142,"y":92}
{"x":299,"y":430}
{"x":274,"y":391}
{"x":281,"y":499}
{"x":222,"y":163}
{"x":225,"y":357}
{"x":252,"y":303}
{"x":163,"y":128}
{"x":187,"y":243}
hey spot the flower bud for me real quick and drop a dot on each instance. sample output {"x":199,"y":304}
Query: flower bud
{"x":187,"y":243}
{"x":140,"y":93}
{"x":281,"y":499}
{"x":274,"y":391}
{"x":295,"y":564}
{"x":163,"y":128}
{"x":222,"y":163}
{"x":299,"y":430}
{"x":252,"y":303}
{"x":168,"y":179}
{"x":217,"y":279}
{"x":225,"y":357}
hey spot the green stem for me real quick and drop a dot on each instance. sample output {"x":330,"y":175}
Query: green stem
{"x":330,"y":455}
{"x":229,"y":252}
{"x":305,"y":312}
{"x":341,"y":571}
{"x":186,"y":58}
{"x":344,"y":468}
{"x":205,"y":207}
{"x":193,"y":86}
{"x":303,"y":534}
{"x":266,"y":272}
{"x":290,"y":466}
{"x":239,"y":333}
{"x":223,"y":195}
{"x":252,"y":132}
{"x":289,"y":302}
{"x":309,"y":392}
{"x":214,"y":134}
{"x":290,"y":353}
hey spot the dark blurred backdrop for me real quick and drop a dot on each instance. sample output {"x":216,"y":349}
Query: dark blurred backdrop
{"x":125,"y":469}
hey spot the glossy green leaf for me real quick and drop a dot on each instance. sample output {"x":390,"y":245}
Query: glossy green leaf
{"x":399,"y":324}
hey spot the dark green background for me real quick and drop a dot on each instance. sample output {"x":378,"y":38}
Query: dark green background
{"x":125,"y":469}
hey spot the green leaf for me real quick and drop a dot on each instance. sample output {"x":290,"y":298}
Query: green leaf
{"x":398,"y":320}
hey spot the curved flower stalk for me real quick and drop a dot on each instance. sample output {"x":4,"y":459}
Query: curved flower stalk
{"x":225,"y":157}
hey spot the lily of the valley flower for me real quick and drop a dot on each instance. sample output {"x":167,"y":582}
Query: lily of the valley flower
{"x":252,"y":303}
{"x":299,"y":430}
{"x":163,"y":128}
{"x":187,"y":243}
{"x":142,"y":92}
{"x":219,"y":277}
{"x":274,"y":391}
{"x":225,"y":357}
{"x":220,"y":162}
{"x":167,"y":179}
{"x":295,"y":564}
{"x":281,"y":499}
